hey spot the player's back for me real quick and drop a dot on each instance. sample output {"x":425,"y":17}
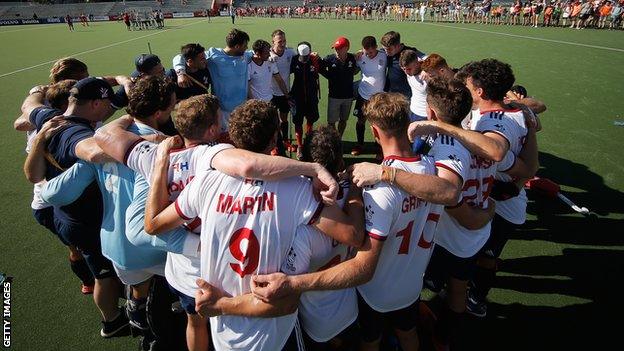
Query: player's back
{"x":247,"y":228}
{"x":406,"y":224}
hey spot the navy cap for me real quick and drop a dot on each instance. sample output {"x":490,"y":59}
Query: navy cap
{"x":92,"y":88}
{"x":145,"y":62}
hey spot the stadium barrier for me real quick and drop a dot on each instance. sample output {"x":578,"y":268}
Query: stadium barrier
{"x":17,"y":22}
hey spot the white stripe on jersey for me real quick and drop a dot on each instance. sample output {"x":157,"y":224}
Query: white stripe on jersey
{"x":407,"y":225}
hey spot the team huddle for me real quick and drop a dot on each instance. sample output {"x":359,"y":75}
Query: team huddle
{"x":221,"y":242}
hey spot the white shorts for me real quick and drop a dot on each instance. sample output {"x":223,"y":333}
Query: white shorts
{"x":138,"y":276}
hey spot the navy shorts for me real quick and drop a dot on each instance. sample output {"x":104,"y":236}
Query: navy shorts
{"x":45,"y":217}
{"x":359,"y":107}
{"x":187,"y":302}
{"x":89,"y":246}
{"x":309,"y":111}
{"x":444,"y":264}
{"x":372,"y":322}
{"x":499,"y":235}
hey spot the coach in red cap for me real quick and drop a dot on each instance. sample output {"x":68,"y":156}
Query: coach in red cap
{"x":339,"y":69}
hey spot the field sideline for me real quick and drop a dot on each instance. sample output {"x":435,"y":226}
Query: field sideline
{"x":561,"y":272}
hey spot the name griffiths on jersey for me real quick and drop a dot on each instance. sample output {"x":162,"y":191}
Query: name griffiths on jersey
{"x":410,"y":203}
{"x":246,"y":205}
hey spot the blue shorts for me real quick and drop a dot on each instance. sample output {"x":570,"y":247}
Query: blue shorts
{"x":45,"y":217}
{"x":187,"y":302}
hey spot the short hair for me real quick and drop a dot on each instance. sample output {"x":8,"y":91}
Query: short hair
{"x":195,"y":115}
{"x":190,"y":51}
{"x":253,"y":125}
{"x":391,"y":38}
{"x":149,"y":95}
{"x":407,"y":57}
{"x":236,"y":37}
{"x":324,"y":146}
{"x":450,"y":99}
{"x":493,"y":76}
{"x":368,"y":42}
{"x":58,"y":94}
{"x":261,"y":45}
{"x":432,"y":62}
{"x":277,"y":32}
{"x":388,"y":111}
{"x":68,"y":68}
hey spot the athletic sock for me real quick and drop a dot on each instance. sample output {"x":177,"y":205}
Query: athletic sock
{"x":483,"y":281}
{"x":360,"y":128}
{"x":81,"y":270}
{"x":298,"y":134}
{"x":284,"y":129}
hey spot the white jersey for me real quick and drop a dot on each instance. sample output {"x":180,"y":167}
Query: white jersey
{"x":181,"y":271}
{"x":418,"y":101}
{"x":373,"y":74}
{"x":511,"y":125}
{"x":323,"y":314}
{"x":477,"y":177}
{"x":407,"y":225}
{"x":260,"y":80}
{"x":283,"y":66}
{"x":248,"y":228}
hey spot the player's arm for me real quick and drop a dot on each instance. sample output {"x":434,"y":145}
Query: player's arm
{"x":527,"y":162}
{"x":211,"y":301}
{"x":35,"y":99}
{"x":344,"y":225}
{"x":88,"y":150}
{"x":472,"y":217}
{"x":247,"y":164}
{"x":350,"y":273}
{"x":489,"y":145}
{"x":35,"y":164}
{"x":158,"y":197}
{"x":115,"y":140}
{"x":430,"y":188}
{"x":280,"y":83}
{"x":22,"y":124}
{"x":69,"y":185}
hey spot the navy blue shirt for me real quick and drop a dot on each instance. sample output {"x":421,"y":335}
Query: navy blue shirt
{"x":396,"y":80}
{"x":202,"y":76}
{"x":305,"y":83}
{"x":85,"y":213}
{"x":339,"y":75}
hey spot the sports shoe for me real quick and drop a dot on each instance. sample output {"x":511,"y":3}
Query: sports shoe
{"x":475,"y":307}
{"x":117,"y":327}
{"x":137,"y":314}
{"x":356,"y":151}
{"x":86,"y":289}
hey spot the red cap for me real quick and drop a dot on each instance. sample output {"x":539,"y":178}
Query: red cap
{"x":340,"y":43}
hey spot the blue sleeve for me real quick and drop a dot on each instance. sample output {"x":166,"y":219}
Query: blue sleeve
{"x":69,"y":185}
{"x":42,"y":114}
{"x":122,"y":98}
{"x":73,"y":136}
{"x":172,"y":241}
{"x":248,"y":55}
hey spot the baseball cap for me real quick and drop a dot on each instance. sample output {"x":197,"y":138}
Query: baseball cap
{"x":341,"y":42}
{"x":303,"y":50}
{"x":145,"y":62}
{"x":93,"y":88}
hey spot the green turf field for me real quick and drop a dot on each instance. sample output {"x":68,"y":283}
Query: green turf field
{"x":560,"y":285}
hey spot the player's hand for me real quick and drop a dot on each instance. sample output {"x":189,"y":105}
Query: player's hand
{"x":358,"y":54}
{"x":207,"y":298}
{"x":124,"y":122}
{"x":155,"y":138}
{"x":325,"y":185}
{"x":270,"y":287}
{"x":174,"y":142}
{"x":530,"y":119}
{"x":366,"y":173}
{"x":513,"y":96}
{"x":52,"y":126}
{"x":422,"y":128}
{"x":184,"y":81}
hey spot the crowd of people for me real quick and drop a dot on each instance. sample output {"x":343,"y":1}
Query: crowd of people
{"x":547,"y":13}
{"x":139,"y":20}
{"x":221,"y":243}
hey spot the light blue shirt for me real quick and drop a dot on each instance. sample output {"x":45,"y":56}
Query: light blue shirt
{"x":116,"y":183}
{"x":229,"y":76}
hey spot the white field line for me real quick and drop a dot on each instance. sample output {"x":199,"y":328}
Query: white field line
{"x":96,"y":49}
{"x":43,"y":26}
{"x":527,"y":37}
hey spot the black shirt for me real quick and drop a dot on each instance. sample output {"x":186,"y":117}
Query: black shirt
{"x":202,"y":76}
{"x":396,"y":80}
{"x":84,"y":214}
{"x":305,"y":83}
{"x":339,"y":75}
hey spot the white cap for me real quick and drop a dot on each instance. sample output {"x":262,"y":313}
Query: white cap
{"x":303,"y":50}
